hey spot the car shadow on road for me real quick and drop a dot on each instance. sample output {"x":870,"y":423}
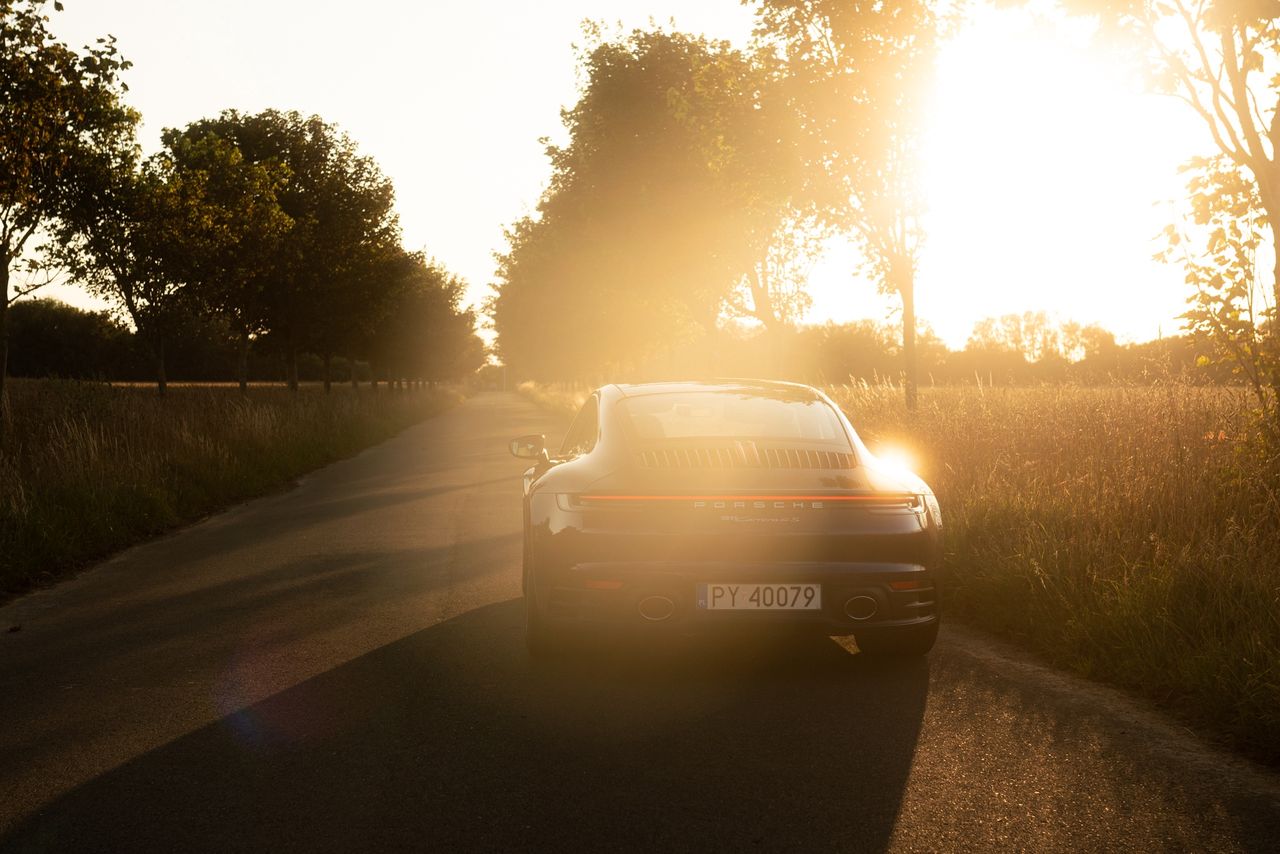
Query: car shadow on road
{"x":451,"y":739}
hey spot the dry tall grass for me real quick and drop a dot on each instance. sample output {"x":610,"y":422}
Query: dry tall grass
{"x":88,"y":469}
{"x":1132,"y":534}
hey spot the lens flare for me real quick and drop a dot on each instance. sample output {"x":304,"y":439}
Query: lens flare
{"x":895,"y":460}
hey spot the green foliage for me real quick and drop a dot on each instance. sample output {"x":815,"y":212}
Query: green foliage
{"x":231,"y":250}
{"x":62,"y":114}
{"x":674,"y":181}
{"x":127,"y":238}
{"x":61,"y":118}
{"x":275,"y":226}
{"x":54,"y":339}
{"x":424,"y":333}
{"x":342,"y":225}
{"x":1218,"y":250}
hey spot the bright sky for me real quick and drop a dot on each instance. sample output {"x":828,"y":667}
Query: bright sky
{"x":1044,"y":161}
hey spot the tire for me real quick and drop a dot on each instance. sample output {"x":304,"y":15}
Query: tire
{"x":543,"y":640}
{"x":909,"y":642}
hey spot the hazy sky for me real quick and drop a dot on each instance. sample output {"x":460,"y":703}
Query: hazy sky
{"x":1044,"y":162}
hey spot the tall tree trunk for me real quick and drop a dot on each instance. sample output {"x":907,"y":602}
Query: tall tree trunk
{"x":1274,"y":332}
{"x":328,"y":360}
{"x":907,"y":286}
{"x":293,"y":365}
{"x":162,"y":378}
{"x":761,"y":299}
{"x":4,"y":340}
{"x":242,"y":362}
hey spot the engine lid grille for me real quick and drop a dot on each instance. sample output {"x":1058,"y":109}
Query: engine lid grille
{"x":737,"y":455}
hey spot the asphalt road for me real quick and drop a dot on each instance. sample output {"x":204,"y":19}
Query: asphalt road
{"x":340,"y":668}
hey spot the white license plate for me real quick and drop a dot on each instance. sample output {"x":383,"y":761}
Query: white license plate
{"x":760,"y":597}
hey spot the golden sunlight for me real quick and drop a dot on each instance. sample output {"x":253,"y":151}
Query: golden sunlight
{"x":1049,"y":170}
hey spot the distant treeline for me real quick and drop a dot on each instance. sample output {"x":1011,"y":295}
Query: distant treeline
{"x":870,"y":352}
{"x":51,"y":339}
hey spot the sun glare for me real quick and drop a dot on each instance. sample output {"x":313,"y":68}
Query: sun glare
{"x":895,"y":460}
{"x":1048,"y":173}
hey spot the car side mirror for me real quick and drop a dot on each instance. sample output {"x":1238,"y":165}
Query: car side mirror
{"x":531,"y":447}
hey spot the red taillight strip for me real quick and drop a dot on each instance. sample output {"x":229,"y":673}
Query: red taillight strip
{"x":881,"y":498}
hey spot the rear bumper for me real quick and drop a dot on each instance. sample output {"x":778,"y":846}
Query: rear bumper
{"x":609,"y":595}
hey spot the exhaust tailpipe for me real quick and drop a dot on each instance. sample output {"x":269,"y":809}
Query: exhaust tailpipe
{"x":656,"y":609}
{"x":861,"y":608}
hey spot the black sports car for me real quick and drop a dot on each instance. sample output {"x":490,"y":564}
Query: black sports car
{"x":728,"y":503}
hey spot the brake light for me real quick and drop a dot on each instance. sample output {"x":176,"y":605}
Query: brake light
{"x":879,"y":498}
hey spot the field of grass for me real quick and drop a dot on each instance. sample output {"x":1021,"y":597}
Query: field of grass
{"x":87,"y":469}
{"x":1129,"y":534}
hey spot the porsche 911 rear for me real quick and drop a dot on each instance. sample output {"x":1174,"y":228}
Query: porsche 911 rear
{"x":732,"y":505}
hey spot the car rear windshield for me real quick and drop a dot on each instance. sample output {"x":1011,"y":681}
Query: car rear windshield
{"x":732,"y":415}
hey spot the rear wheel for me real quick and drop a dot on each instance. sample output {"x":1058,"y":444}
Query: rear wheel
{"x":542,"y":639}
{"x":909,"y":642}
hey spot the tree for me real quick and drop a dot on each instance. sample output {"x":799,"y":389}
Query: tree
{"x":773,"y":290}
{"x":1218,"y":252}
{"x":119,"y":239}
{"x":233,"y":247}
{"x":339,"y":203}
{"x":855,"y":73}
{"x":53,"y":339}
{"x":169,"y":237}
{"x":676,"y":175}
{"x":62,"y":113}
{"x":1219,"y":58}
{"x":425,"y":335}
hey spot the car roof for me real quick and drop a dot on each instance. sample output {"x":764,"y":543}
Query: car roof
{"x":760,"y":388}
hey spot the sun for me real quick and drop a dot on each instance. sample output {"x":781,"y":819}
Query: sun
{"x":1048,"y":170}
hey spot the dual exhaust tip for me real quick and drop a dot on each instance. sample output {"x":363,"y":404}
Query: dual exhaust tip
{"x":861,"y":608}
{"x":658,"y":609}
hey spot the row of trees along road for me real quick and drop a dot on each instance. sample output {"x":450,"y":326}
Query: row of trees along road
{"x":272,"y":222}
{"x":698,"y":179}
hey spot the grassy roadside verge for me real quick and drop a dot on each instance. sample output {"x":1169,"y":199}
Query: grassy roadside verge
{"x":1127,"y":534}
{"x":89,"y":469}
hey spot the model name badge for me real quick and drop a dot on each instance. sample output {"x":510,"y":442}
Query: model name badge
{"x":758,"y":505}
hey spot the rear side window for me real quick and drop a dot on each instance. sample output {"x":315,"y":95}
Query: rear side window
{"x":732,"y":415}
{"x":582,"y":434}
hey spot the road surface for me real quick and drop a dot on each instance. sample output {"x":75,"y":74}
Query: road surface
{"x":340,"y":668}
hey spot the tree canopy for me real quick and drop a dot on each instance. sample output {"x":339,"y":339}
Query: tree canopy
{"x":61,"y":116}
{"x":855,"y":74}
{"x":672,"y":185}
